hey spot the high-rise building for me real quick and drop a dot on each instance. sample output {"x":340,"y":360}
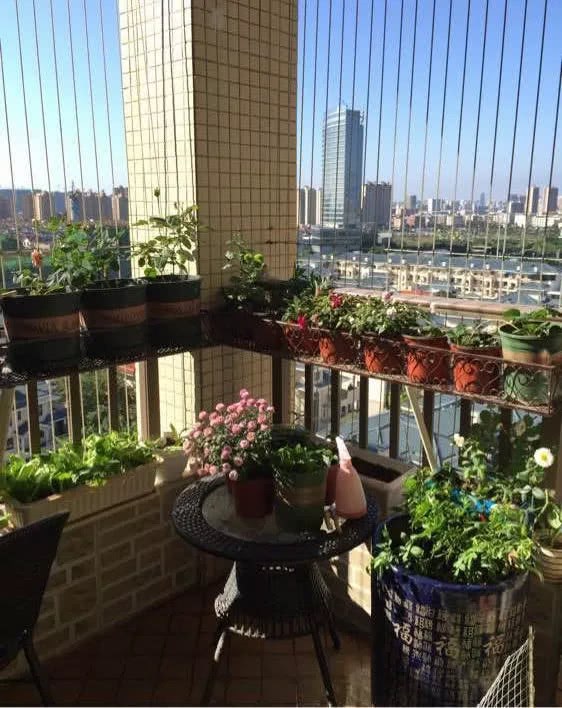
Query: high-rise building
{"x":434,"y":205}
{"x":120,"y":207}
{"x":412,"y":202}
{"x":42,"y":206}
{"x":532,"y":200}
{"x":482,"y":202}
{"x":550,"y":200}
{"x":27,"y":206}
{"x":342,"y":167}
{"x":318,"y":219}
{"x":376,"y":199}
{"x":307,"y":210}
{"x":74,"y":207}
{"x":5,"y":208}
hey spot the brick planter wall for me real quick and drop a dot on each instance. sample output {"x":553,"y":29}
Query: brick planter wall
{"x":113,"y":565}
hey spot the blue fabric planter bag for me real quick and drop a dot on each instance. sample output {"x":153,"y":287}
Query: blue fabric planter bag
{"x":437,"y":643}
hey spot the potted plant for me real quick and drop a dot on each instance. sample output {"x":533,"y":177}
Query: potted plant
{"x":300,"y":337}
{"x":548,"y":532}
{"x":105,"y":470}
{"x":471,"y":373}
{"x":332,"y":313}
{"x":424,"y":362}
{"x":380,"y":323}
{"x":170,"y":449}
{"x":531,"y":338}
{"x":41,"y":318}
{"x":235,"y":441}
{"x":459,"y":558}
{"x":113,"y":309}
{"x":173,"y":296}
{"x":300,"y":472}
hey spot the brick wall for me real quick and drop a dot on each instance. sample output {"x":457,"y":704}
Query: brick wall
{"x":115,"y":564}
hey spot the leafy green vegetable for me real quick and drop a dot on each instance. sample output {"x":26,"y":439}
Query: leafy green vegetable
{"x":537,"y":323}
{"x":478,"y":335}
{"x":293,"y":460}
{"x":100,"y":457}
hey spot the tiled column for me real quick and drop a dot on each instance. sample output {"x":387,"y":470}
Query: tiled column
{"x":210,"y":118}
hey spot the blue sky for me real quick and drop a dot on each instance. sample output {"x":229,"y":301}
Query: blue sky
{"x":15,"y":101}
{"x":312,"y":124}
{"x":312,"y":121}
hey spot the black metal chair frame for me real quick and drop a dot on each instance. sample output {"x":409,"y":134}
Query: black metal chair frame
{"x":26,"y":557}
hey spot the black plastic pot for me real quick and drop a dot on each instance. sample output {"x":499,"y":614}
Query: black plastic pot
{"x":41,"y":328}
{"x":114,"y":313}
{"x":438,"y":643}
{"x":171,"y":297}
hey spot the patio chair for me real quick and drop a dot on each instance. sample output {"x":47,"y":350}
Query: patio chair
{"x":26,"y":556}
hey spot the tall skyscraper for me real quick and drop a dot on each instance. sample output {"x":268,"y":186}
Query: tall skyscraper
{"x":307,"y":207}
{"x":550,"y":200}
{"x":342,"y":166}
{"x":482,"y":202}
{"x":532,"y":200}
{"x":434,"y":205}
{"x":376,"y":199}
{"x":412,"y":202}
{"x":43,"y":206}
{"x":120,"y":205}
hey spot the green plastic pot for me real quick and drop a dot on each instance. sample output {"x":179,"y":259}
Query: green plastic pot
{"x":299,"y":501}
{"x":525,"y":384}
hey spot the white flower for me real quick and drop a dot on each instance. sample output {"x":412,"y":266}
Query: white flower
{"x":391,"y":311}
{"x":490,"y":329}
{"x":519,"y":428}
{"x":458,"y":440}
{"x":543,"y":457}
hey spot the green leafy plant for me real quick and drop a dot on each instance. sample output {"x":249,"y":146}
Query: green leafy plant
{"x":174,"y":247}
{"x":480,"y":520}
{"x":82,"y":253}
{"x":477,"y":336}
{"x":99,"y":457}
{"x":33,"y":284}
{"x":332,"y":311}
{"x":537,"y":323}
{"x":382,"y":316}
{"x":293,"y":460}
{"x":246,"y":290}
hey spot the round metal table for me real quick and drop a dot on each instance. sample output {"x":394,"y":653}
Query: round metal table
{"x":275,"y":589}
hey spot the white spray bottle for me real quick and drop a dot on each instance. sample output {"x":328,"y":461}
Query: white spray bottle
{"x":350,"y":497}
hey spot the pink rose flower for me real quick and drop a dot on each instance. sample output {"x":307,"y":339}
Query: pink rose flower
{"x":251,"y":437}
{"x":244,"y":393}
{"x":238,"y":461}
{"x":236,"y":429}
{"x":232,"y":407}
{"x":252,"y":425}
{"x":251,"y":401}
{"x":270,"y":409}
{"x":203,"y":415}
{"x":264,"y":427}
{"x":187,"y":447}
{"x":244,"y":444}
{"x":261,"y":419}
{"x":225,"y":454}
{"x":207,"y":432}
{"x":226,"y":468}
{"x":261,"y":402}
{"x":213,"y":469}
{"x":233,"y":475}
{"x":196,"y":434}
{"x":220,"y":407}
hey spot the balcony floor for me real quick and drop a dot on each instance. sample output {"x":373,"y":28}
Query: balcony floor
{"x":162,"y":657}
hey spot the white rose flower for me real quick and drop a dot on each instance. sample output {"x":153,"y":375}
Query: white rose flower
{"x":458,"y":440}
{"x":543,"y":457}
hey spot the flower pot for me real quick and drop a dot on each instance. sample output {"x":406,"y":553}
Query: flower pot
{"x":441,"y":643}
{"x":267,"y":333}
{"x":523,"y":384}
{"x":337,"y":348}
{"x":382,"y":356}
{"x":170,"y":297}
{"x":172,"y":468}
{"x":299,"y":501}
{"x":114,"y":313}
{"x":84,"y":500}
{"x":302,"y":341}
{"x":253,"y":498}
{"x":474,"y":375}
{"x":550,"y":563}
{"x":42,"y":329}
{"x":427,"y":365}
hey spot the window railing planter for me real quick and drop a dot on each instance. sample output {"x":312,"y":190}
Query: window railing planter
{"x":106,"y":471}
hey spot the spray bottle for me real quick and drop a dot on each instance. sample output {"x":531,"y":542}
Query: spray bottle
{"x":350,"y":497}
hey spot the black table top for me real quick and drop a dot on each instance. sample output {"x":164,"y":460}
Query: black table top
{"x":192,"y":525}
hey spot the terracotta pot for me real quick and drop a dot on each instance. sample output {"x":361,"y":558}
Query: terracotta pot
{"x":474,"y":375}
{"x":337,"y":348}
{"x":382,"y":356}
{"x":253,"y":498}
{"x":303,"y":342}
{"x":425,"y":365}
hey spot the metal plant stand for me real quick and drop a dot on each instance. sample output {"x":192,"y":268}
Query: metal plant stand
{"x":275,"y":589}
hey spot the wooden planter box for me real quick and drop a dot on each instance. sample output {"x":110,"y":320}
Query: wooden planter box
{"x":84,"y":500}
{"x":382,"y":476}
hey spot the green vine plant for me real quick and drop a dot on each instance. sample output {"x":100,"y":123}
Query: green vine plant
{"x":175,"y":245}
